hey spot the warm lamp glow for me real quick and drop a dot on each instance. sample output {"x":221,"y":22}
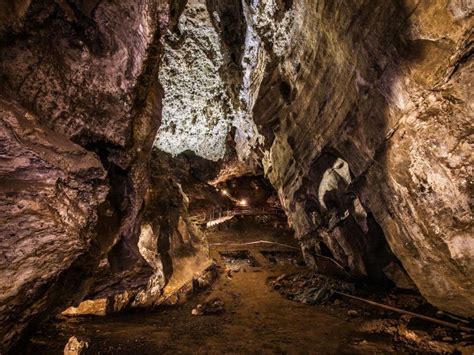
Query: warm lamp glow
{"x":243,"y":202}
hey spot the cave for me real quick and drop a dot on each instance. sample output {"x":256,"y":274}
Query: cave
{"x":236,"y":176}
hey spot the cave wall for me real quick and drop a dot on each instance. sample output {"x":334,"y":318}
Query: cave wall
{"x":360,"y":112}
{"x":206,"y":75}
{"x":383,"y":86}
{"x":50,"y":192}
{"x":81,"y":104}
{"x":174,"y":250}
{"x":196,"y":107}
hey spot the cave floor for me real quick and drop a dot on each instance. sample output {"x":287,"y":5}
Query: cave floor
{"x":256,"y":318}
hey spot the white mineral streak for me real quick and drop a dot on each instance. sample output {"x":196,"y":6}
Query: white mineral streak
{"x":261,"y":27}
{"x":253,"y":66}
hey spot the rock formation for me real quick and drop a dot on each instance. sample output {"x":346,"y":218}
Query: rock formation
{"x":385,"y":88}
{"x":51,"y":191}
{"x":359,"y":114}
{"x":73,"y":74}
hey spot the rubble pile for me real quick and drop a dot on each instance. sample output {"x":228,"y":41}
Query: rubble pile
{"x":310,"y":288}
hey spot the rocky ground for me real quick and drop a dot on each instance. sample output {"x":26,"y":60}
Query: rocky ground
{"x":407,"y":331}
{"x":252,"y":308}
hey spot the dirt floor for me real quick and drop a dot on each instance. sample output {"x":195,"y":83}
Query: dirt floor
{"x":255,"y":317}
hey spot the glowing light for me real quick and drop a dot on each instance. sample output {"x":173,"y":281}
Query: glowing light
{"x":243,"y":203}
{"x":225,"y":192}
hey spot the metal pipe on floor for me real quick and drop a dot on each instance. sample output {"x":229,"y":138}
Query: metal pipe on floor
{"x":402,"y":311}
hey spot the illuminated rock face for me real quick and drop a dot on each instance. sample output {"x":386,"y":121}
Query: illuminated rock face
{"x":79,"y":111}
{"x":197,"y":111}
{"x":359,"y":112}
{"x":386,"y":89}
{"x":207,"y":73}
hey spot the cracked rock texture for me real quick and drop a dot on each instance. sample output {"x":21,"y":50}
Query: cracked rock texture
{"x":359,"y":112}
{"x":197,"y":111}
{"x":50,"y":190}
{"x":174,"y":249}
{"x":385,"y":88}
{"x":86,"y":71}
{"x":206,"y":75}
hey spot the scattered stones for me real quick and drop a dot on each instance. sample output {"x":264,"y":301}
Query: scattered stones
{"x":228,"y":272}
{"x":422,"y":340}
{"x":214,"y":306}
{"x":88,"y":307}
{"x":310,"y":288}
{"x":197,"y":311}
{"x":75,"y":346}
{"x":205,"y":279}
{"x":352,"y":313}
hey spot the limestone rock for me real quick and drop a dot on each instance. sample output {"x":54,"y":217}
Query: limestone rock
{"x":384,"y":87}
{"x":75,"y":174}
{"x":75,"y":346}
{"x":196,"y":107}
{"x":50,"y":192}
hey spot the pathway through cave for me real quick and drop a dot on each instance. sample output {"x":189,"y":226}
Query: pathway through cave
{"x":256,"y":318}
{"x":134,"y":211}
{"x":241,"y":285}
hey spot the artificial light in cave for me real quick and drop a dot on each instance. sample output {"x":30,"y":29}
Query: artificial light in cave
{"x":243,"y":203}
{"x":345,"y":123}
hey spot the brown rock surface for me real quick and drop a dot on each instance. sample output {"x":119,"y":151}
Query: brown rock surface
{"x":360,"y":112}
{"x":172,"y":247}
{"x":385,"y":88}
{"x":88,"y":72}
{"x":50,"y":190}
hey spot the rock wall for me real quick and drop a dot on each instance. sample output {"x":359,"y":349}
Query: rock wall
{"x":50,"y":192}
{"x":174,"y":249}
{"x":80,"y":109}
{"x":197,"y":108}
{"x":206,"y":75}
{"x":376,"y":95}
{"x":360,"y":112}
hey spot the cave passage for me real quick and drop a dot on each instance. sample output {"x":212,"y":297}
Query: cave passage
{"x":253,"y":290}
{"x":236,"y":176}
{"x":241,"y":312}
